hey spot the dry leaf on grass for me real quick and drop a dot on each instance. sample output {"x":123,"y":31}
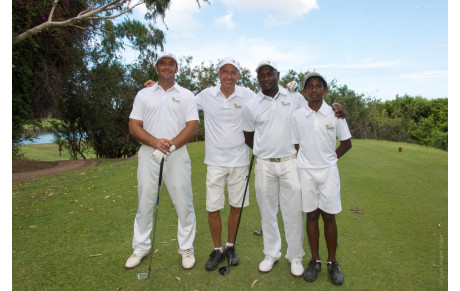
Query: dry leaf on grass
{"x":357,"y":209}
{"x":254,"y":283}
{"x":178,"y":279}
{"x":95,"y":255}
{"x":32,"y":226}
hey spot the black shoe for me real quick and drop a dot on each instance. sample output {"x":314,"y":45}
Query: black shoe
{"x":232,"y":257}
{"x":214,"y":259}
{"x":311,"y":271}
{"x":335,"y":274}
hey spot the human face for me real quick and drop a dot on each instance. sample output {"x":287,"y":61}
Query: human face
{"x":315,"y":89}
{"x":166,"y":68}
{"x":268,"y":79}
{"x":228,"y":75}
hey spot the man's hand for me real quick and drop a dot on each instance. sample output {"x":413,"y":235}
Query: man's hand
{"x":293,"y":86}
{"x":339,"y":110}
{"x":158,"y":156}
{"x":149,"y":83}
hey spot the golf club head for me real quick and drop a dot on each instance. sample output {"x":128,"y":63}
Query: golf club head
{"x":142,"y":276}
{"x":224,"y":270}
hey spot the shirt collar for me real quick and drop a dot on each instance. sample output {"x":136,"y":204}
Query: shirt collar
{"x":282,"y":92}
{"x":324,"y":109}
{"x":174,"y":87}
{"x":216,"y":91}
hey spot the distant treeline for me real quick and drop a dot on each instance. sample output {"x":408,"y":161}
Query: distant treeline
{"x":408,"y":119}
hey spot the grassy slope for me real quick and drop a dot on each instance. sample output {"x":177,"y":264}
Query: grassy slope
{"x":48,"y":152}
{"x":400,"y":242}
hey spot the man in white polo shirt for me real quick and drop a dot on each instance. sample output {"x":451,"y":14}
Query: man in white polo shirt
{"x":266,"y":125}
{"x":226,"y":156}
{"x":315,"y":131}
{"x":164,"y":118}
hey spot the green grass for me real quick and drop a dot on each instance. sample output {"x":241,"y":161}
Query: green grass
{"x":48,"y":152}
{"x":399,"y":242}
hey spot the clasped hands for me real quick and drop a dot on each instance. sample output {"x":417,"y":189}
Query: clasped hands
{"x":163,"y":148}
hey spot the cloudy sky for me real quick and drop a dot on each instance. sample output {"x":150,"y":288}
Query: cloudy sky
{"x":378,"y":48}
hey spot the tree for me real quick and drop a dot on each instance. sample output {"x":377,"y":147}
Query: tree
{"x":41,"y":64}
{"x":52,"y":40}
{"x":94,"y":11}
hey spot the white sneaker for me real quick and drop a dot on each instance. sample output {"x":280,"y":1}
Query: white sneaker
{"x":188,"y":259}
{"x":296,"y":267}
{"x":134,"y":260}
{"x":267,"y":264}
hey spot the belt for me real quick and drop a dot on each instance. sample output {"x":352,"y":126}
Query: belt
{"x":277,"y":160}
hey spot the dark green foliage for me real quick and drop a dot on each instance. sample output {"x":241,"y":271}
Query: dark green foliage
{"x":408,"y":119}
{"x":42,"y":63}
{"x":95,"y":112}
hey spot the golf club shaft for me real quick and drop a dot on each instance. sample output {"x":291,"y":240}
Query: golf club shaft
{"x":156,"y":213}
{"x":244,"y":197}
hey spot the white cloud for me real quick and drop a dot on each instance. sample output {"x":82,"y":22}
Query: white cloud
{"x":426,"y":75}
{"x":279,"y":12}
{"x":226,"y":20}
{"x":180,"y":18}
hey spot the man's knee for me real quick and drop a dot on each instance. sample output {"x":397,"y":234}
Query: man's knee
{"x":327,"y":217}
{"x":313,"y":216}
{"x":214,"y":214}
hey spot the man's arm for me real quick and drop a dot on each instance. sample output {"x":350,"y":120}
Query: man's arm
{"x":163,"y":144}
{"x":344,"y":146}
{"x":136,"y":129}
{"x":189,"y":131}
{"x":249,"y":138}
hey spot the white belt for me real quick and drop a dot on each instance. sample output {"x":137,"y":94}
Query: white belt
{"x":277,"y":160}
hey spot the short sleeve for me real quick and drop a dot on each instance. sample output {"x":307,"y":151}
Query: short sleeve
{"x":136,"y":112}
{"x":191,"y":109}
{"x":294,"y":135}
{"x":248,"y":119}
{"x":343,"y":132}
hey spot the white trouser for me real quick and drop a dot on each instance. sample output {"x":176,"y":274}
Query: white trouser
{"x":177,"y":178}
{"x":273,"y":181}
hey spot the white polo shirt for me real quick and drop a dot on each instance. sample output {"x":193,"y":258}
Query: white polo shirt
{"x":270,"y":120}
{"x":316,"y":134}
{"x":223,"y":122}
{"x":164,"y":113}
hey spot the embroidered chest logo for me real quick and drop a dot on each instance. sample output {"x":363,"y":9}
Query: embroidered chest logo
{"x":328,"y":127}
{"x":174,"y":99}
{"x":237,"y":106}
{"x":285,"y":104}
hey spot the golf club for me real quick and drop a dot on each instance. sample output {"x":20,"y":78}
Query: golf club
{"x":142,"y":276}
{"x":225,"y":270}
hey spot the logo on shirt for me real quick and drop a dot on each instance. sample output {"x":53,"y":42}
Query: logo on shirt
{"x":175,"y":100}
{"x":237,"y":106}
{"x":330,"y":128}
{"x":285,"y":104}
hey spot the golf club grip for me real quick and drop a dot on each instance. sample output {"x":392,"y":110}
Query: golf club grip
{"x":244,"y":198}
